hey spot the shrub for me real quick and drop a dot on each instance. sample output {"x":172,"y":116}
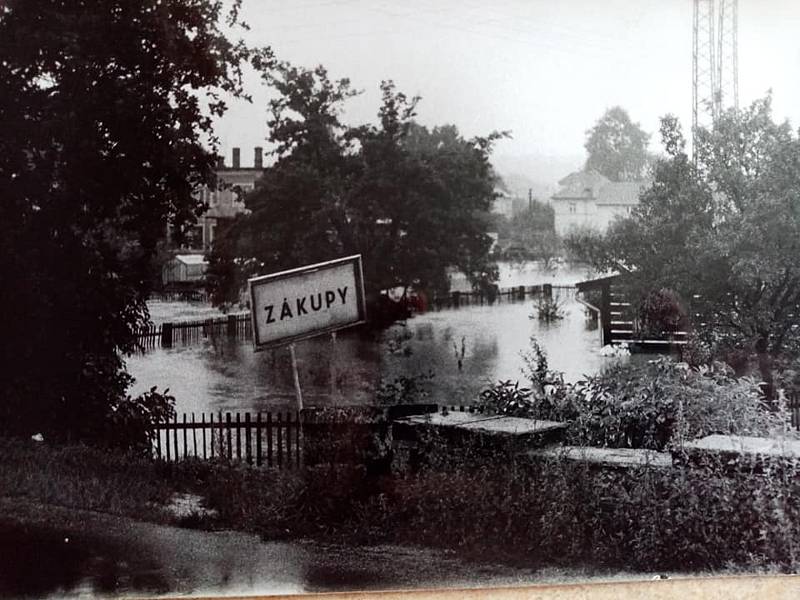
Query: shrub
{"x":639,"y":406}
{"x":548,"y":310}
{"x":506,"y":398}
{"x":128,"y":423}
{"x":661,"y":311}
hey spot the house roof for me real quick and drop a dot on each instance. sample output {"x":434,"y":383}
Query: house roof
{"x":594,"y":186}
{"x":575,"y":185}
{"x":592,"y":284}
{"x":191,"y":259}
{"x":620,"y":192}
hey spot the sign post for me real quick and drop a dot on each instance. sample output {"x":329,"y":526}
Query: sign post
{"x":302,"y":303}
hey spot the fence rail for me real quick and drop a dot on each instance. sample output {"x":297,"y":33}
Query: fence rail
{"x":458,"y":299}
{"x":187,"y":332}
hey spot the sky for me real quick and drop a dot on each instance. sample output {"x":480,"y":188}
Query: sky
{"x":545,"y":70}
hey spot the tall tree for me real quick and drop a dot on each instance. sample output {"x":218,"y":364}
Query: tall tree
{"x":617,"y":147}
{"x":105,"y":110}
{"x":412,"y":201}
{"x":727,"y":230}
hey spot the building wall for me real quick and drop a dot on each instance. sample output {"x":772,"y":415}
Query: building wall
{"x":571,"y":213}
{"x":607,"y":213}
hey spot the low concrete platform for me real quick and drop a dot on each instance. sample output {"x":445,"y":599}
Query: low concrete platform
{"x":606,"y":457}
{"x":479,"y":424}
{"x":487,"y":435}
{"x":740,"y":453}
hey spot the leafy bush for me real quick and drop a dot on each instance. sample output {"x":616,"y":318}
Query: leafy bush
{"x":645,"y":406}
{"x":128,"y":423}
{"x":548,"y":310}
{"x":404,"y":389}
{"x":506,"y":398}
{"x":638,"y":405}
{"x":661,"y":311}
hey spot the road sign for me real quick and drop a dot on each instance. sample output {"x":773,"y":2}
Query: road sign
{"x":305,"y":302}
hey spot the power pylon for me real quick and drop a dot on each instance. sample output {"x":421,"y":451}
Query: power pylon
{"x":715,"y":60}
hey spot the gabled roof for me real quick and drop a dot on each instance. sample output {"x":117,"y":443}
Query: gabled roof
{"x":621,"y":192}
{"x":575,"y":185}
{"x":191,"y":259}
{"x":591,"y":185}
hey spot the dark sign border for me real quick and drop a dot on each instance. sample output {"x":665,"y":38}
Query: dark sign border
{"x":361,"y":305}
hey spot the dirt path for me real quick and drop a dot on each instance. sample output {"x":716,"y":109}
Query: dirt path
{"x":48,"y":551}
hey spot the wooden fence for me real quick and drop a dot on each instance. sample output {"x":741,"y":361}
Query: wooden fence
{"x":187,"y":332}
{"x":179,"y":296}
{"x":271,"y":439}
{"x":511,"y":294}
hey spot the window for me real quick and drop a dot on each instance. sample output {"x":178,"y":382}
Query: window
{"x":573,"y":207}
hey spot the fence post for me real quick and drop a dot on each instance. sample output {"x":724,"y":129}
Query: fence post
{"x":247,"y":439}
{"x":229,"y":427}
{"x":258,"y":439}
{"x":232,"y":326}
{"x":166,"y":335}
{"x":605,"y":314}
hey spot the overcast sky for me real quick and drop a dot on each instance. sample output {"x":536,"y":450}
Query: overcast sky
{"x":546,"y":70}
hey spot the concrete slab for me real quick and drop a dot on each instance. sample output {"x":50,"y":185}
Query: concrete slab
{"x":740,"y":453}
{"x":607,"y":457}
{"x":496,"y":424}
{"x":768,"y":447}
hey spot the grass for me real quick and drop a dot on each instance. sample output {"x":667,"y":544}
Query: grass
{"x":84,"y":478}
{"x":537,"y":514}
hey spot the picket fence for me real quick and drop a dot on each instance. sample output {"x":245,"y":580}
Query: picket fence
{"x":271,"y":439}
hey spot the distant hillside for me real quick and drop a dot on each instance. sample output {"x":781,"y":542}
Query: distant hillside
{"x":517,"y":185}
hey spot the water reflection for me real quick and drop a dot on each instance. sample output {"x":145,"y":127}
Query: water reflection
{"x":111,"y":557}
{"x":225,"y":375}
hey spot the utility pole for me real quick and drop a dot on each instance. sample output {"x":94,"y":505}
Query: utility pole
{"x":530,"y":199}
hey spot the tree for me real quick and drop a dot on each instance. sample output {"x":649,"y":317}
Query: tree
{"x":530,"y":235}
{"x":617,"y":147}
{"x":727,"y":231}
{"x":412,"y":201}
{"x":105,"y":110}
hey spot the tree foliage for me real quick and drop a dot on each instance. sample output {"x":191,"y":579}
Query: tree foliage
{"x":530,"y":234}
{"x":412,"y":200}
{"x":104,"y":111}
{"x":617,"y":147}
{"x":726,"y":230}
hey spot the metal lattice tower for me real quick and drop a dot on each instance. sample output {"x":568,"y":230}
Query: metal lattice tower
{"x":715,"y":60}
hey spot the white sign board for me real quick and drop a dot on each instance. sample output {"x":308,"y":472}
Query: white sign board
{"x":301,"y":303}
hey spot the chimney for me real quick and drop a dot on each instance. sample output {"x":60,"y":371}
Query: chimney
{"x":258,"y":159}
{"x":236,"y":154}
{"x":220,"y":162}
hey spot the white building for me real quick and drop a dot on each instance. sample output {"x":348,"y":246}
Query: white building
{"x":588,"y":199}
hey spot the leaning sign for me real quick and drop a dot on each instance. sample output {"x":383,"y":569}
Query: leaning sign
{"x":305,"y":302}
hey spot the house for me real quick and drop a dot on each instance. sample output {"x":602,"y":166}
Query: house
{"x":183,"y":269}
{"x":224,"y":202}
{"x":588,"y":199}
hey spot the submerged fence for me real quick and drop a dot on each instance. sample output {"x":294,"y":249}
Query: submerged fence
{"x":521,"y":292}
{"x":187,"y":332}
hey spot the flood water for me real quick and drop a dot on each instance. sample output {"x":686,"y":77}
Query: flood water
{"x":222,"y":375}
